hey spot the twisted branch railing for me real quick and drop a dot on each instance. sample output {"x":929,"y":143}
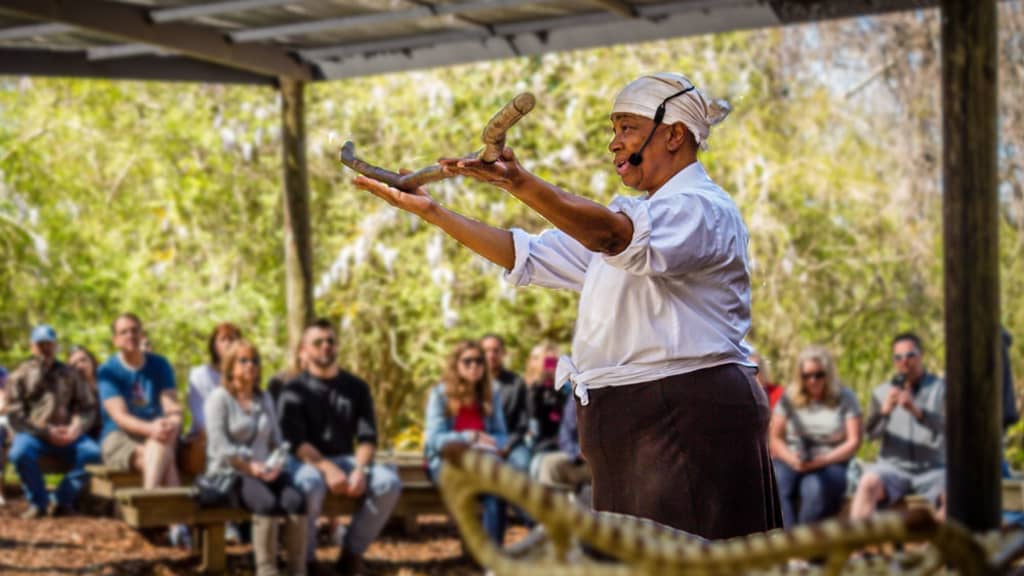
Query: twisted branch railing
{"x":493,"y":138}
{"x":645,"y":547}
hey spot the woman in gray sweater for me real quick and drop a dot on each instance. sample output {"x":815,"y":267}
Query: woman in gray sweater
{"x":242,"y":436}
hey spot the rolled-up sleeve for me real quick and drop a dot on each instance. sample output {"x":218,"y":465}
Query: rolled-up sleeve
{"x":552,"y":259}
{"x":672,"y":235}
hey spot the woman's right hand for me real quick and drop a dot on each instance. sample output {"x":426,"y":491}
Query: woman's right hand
{"x":485,"y":440}
{"x":417,"y":202}
{"x":256,"y":469}
{"x":506,"y":172}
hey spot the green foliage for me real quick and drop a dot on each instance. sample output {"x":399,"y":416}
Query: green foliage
{"x":165,"y":199}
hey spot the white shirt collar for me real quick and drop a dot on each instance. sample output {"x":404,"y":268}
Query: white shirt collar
{"x":689,"y":177}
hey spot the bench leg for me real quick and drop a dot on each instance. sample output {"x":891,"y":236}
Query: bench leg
{"x":409,"y":524}
{"x":214,"y":560}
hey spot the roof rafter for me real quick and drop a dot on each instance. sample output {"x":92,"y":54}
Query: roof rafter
{"x":18,"y":62}
{"x":131,"y":23}
{"x":333,"y":24}
{"x":33,"y":31}
{"x":620,"y":7}
{"x":188,"y":12}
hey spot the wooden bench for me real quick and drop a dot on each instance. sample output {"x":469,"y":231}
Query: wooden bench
{"x":104,"y":482}
{"x":142,"y":508}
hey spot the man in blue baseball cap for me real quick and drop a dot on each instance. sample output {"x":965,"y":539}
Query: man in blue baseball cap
{"x":50,"y":406}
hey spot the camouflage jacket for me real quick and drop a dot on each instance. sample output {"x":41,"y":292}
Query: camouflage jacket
{"x":52,"y":394}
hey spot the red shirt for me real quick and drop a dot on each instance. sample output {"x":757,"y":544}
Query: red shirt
{"x":774,"y":392}
{"x":469,"y":418}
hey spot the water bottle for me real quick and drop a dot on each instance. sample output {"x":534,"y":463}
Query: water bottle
{"x":277,"y":458}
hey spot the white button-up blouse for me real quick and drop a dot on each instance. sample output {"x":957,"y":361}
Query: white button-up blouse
{"x":676,"y":300}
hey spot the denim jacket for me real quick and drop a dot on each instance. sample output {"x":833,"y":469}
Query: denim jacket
{"x":439,"y":426}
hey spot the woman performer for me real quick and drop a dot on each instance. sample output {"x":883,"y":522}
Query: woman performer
{"x":671,"y":419}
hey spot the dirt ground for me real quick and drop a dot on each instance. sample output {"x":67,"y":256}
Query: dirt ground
{"x":104,"y":546}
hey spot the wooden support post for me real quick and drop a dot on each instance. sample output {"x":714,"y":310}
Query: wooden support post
{"x":971,"y":246}
{"x":298,"y":245}
{"x":214,"y":556}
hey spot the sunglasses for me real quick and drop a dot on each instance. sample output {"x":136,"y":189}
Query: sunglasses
{"x":321,"y":341}
{"x":471,"y":361}
{"x":907,"y":356}
{"x":248,"y":361}
{"x":819,"y":375}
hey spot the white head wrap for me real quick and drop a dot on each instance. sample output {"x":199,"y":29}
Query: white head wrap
{"x":643,"y":96}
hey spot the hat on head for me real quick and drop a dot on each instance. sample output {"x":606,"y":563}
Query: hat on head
{"x":43,"y":333}
{"x":698,"y":113}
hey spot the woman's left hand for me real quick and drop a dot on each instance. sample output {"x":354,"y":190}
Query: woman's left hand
{"x":506,"y":172}
{"x":417,"y":201}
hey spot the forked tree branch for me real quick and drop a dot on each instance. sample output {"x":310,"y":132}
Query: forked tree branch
{"x":494,"y":143}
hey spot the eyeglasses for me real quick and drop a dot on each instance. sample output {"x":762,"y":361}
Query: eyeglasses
{"x":471,"y":361}
{"x":906,"y":356}
{"x":131,"y":330}
{"x":819,"y":375}
{"x":321,"y":341}
{"x":247,"y":361}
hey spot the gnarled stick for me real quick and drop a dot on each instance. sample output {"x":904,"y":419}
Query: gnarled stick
{"x":493,"y":137}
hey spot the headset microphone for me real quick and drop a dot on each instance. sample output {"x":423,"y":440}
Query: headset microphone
{"x":637,"y":157}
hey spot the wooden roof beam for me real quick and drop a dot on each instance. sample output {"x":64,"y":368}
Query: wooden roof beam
{"x":132,"y":23}
{"x":620,"y":7}
{"x":19,"y":62}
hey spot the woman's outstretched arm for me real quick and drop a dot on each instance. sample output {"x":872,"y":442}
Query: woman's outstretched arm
{"x":589,"y":223}
{"x":494,"y":244}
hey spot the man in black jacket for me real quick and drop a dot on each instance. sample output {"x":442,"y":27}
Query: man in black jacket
{"x":326,"y":414}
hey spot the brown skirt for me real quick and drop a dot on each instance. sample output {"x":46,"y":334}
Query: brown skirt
{"x":688,"y":451}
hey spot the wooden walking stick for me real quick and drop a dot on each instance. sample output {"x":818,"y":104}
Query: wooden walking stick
{"x":493,"y":138}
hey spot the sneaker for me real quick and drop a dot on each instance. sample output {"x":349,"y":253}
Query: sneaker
{"x":350,"y":564}
{"x":232,"y":533}
{"x":33,"y":512}
{"x":180,"y":536}
{"x":57,"y":510}
{"x":339,"y":535}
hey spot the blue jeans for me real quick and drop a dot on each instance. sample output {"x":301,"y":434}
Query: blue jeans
{"x":519,"y":457}
{"x":372,"y":511}
{"x":26,"y":450}
{"x":495,"y":511}
{"x":819,"y":492}
{"x":494,"y":518}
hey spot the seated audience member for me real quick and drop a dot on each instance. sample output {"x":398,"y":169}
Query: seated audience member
{"x":463,"y":408}
{"x":3,"y":431}
{"x":326,"y":414}
{"x":544,"y":402}
{"x":242,"y":433}
{"x":50,"y":407}
{"x":773,"y":390}
{"x":204,"y":379}
{"x":510,"y":390}
{"x":141,"y":413}
{"x":81,"y":359}
{"x":565,"y":467}
{"x":908,"y":416}
{"x":814,"y":432}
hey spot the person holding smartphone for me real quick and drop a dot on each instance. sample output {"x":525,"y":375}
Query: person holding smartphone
{"x":243,"y":439}
{"x":545,"y":402}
